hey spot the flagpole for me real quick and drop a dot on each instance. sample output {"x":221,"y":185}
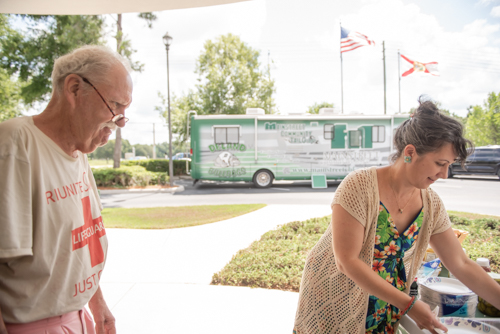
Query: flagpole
{"x":341,"y":73}
{"x":399,"y":80}
{"x":385,"y":89}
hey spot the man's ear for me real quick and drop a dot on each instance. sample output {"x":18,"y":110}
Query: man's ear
{"x":72,"y":89}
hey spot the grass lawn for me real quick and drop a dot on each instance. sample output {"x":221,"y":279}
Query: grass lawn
{"x":96,"y":162}
{"x":277,"y":260}
{"x":173,"y":217}
{"x":469,"y":215}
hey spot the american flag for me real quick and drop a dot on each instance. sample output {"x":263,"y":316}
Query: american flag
{"x":351,"y":40}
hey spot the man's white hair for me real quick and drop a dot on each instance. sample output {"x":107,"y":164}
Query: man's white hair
{"x":93,"y":62}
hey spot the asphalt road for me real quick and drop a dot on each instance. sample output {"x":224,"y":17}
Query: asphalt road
{"x":468,"y":194}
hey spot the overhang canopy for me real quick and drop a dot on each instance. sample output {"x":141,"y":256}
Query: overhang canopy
{"x":99,"y":7}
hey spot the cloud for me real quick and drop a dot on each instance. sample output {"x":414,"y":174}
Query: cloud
{"x":190,"y":28}
{"x":468,"y":59}
{"x":486,"y":2}
{"x":304,"y":40}
{"x":495,"y":11}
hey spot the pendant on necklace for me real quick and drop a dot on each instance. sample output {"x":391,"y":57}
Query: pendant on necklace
{"x":400,"y":211}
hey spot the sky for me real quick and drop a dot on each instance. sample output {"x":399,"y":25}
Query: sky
{"x":300,"y":40}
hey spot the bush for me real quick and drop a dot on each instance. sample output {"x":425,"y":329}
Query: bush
{"x":277,"y":260}
{"x":127,"y":177}
{"x":460,"y":220}
{"x":483,"y":239}
{"x":158,"y":165}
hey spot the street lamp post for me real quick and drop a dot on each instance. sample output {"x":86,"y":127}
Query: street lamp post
{"x":167,"y":40}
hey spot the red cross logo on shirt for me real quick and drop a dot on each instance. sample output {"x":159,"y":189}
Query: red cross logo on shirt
{"x":89,"y":234}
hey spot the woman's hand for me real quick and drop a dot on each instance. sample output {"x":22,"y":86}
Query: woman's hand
{"x":421,"y":313}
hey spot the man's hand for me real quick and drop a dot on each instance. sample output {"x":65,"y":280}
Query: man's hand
{"x":3,"y":329}
{"x":104,"y":320}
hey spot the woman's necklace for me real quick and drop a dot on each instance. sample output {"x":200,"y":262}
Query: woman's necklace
{"x":396,"y":198}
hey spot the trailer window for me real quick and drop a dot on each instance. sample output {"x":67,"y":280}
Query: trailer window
{"x":355,"y":138}
{"x":329,"y":131}
{"x":228,"y":135}
{"x":220,"y":135}
{"x":378,"y":134}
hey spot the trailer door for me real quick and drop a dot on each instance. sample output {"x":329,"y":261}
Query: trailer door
{"x":338,"y":137}
{"x":366,"y":132}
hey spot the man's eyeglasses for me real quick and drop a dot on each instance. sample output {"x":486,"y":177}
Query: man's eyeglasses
{"x":118,"y":119}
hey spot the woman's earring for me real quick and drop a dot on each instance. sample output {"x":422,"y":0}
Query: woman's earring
{"x":407,"y":159}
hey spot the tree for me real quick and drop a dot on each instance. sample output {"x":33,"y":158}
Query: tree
{"x":29,"y":56}
{"x":179,"y":108}
{"x":444,"y":111}
{"x":230,"y":81}
{"x":124,"y":48}
{"x":483,"y":123}
{"x":230,"y":77}
{"x":161,"y":150}
{"x":314,"y":109}
{"x":10,"y":88}
{"x":451,"y":114}
{"x":143,"y":150}
{"x":106,"y":151}
{"x":10,"y":96}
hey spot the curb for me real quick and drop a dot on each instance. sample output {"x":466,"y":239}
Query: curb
{"x":163,"y":190}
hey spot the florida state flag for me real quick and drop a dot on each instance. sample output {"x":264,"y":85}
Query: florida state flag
{"x":430,"y":68}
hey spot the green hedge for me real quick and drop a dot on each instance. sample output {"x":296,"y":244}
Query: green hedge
{"x":158,"y":165}
{"x":483,"y":240}
{"x":128,"y":176}
{"x":277,"y":260}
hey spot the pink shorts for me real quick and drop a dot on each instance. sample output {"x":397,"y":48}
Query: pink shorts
{"x":77,"y":322}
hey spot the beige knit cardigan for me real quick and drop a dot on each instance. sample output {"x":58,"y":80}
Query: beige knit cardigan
{"x":329,"y":301}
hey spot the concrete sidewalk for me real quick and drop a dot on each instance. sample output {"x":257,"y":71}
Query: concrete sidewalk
{"x":157,"y":281}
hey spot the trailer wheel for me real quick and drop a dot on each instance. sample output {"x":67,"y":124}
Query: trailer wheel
{"x":263,"y":179}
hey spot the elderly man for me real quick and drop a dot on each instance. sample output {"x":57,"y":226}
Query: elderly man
{"x":52,"y":240}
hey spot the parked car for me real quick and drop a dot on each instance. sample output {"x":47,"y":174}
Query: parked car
{"x":182,"y":156}
{"x":139,"y":157}
{"x":484,"y":161}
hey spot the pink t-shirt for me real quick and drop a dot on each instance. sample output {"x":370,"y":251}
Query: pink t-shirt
{"x":52,"y":240}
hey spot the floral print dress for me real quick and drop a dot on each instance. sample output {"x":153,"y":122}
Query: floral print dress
{"x":390,"y":247}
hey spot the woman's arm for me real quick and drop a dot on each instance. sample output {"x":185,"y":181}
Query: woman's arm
{"x":449,"y":250}
{"x":347,"y":244}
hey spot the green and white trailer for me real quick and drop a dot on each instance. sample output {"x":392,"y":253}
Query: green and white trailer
{"x":259,"y":148}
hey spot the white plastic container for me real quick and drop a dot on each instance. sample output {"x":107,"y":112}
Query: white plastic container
{"x":484,"y":263}
{"x":452,"y":297}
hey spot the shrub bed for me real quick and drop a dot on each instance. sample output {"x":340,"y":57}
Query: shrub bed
{"x":277,"y":260}
{"x":483,"y":240}
{"x":158,"y":165}
{"x":128,"y":177}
